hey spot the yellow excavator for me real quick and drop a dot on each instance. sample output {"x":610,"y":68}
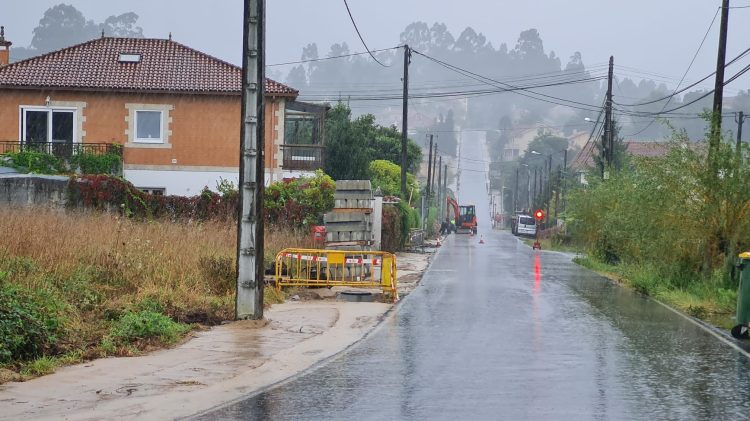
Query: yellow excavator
{"x":465,"y":217}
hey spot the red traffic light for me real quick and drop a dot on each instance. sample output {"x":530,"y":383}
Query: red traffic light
{"x":539,"y":214}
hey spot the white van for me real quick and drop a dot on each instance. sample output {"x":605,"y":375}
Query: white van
{"x":525,"y":225}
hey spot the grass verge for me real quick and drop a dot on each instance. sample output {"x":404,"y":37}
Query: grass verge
{"x":706,"y":300}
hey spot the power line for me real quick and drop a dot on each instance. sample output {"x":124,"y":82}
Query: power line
{"x":360,"y":35}
{"x":444,"y":84}
{"x":731,"y":79}
{"x":459,"y":93}
{"x":668,"y":97}
{"x":487,"y":80}
{"x":332,"y":57}
{"x":711,"y":25}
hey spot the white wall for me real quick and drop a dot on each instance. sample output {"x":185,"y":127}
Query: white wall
{"x":190,"y":183}
{"x":282,"y":174}
{"x":181,"y":183}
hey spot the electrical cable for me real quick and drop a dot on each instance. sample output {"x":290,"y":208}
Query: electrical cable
{"x":484,"y":79}
{"x":668,"y":97}
{"x":466,"y":93}
{"x":360,"y":36}
{"x":331,"y":58}
{"x":728,"y":81}
{"x":711,"y":25}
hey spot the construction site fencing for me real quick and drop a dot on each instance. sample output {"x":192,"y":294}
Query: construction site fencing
{"x":329,"y":268}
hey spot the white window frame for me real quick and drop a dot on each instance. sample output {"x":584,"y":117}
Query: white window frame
{"x":137,"y":139}
{"x":49,"y":110}
{"x":132,"y":126}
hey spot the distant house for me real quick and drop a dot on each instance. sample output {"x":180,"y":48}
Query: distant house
{"x":585,"y":158}
{"x":174,"y":111}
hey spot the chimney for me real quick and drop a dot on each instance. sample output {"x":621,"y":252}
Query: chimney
{"x":4,"y":48}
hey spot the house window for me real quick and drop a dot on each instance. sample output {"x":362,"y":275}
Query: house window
{"x":148,"y":126}
{"x":301,"y":129}
{"x":156,"y":191}
{"x":44,"y":125}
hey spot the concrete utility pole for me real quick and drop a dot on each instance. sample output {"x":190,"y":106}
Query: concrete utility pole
{"x":404,"y":122}
{"x":607,"y":141}
{"x":249,"y":293}
{"x":719,"y":86}
{"x":429,"y":169}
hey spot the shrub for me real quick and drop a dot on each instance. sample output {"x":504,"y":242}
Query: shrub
{"x":104,"y":192}
{"x":28,"y":323}
{"x":299,"y":202}
{"x":409,"y":219}
{"x":391,"y":234}
{"x":108,"y":163}
{"x":145,"y":325}
{"x":33,"y":162}
{"x":387,"y":176}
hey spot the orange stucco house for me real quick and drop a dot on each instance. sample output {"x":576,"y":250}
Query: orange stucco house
{"x":174,"y":110}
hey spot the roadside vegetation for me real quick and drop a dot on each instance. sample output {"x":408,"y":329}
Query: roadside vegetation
{"x":121,"y":271}
{"x":670,"y":227}
{"x":126,"y":272}
{"x":76,"y":285}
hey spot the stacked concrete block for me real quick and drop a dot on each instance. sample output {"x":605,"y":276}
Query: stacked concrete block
{"x":349,"y":225}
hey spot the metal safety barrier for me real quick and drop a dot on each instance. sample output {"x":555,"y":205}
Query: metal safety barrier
{"x":328,"y":268}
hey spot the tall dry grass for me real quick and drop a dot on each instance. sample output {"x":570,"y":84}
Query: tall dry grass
{"x":99,"y":266}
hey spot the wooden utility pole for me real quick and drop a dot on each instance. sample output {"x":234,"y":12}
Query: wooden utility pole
{"x":549,"y":188}
{"x":429,"y":171}
{"x":607,"y":141}
{"x":564,"y":178}
{"x":439,"y":190}
{"x":445,"y":183}
{"x":404,"y":122}
{"x":719,"y":85}
{"x":739,"y":119}
{"x":434,"y":163}
{"x":249,"y":290}
{"x":515,"y":194}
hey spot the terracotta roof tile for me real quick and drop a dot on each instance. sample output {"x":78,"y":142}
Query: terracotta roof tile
{"x":648,"y":149}
{"x":164,"y":65}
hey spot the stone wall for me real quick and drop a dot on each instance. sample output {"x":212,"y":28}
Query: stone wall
{"x":33,"y":190}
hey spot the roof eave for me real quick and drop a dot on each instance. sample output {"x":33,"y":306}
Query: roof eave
{"x":118,"y":90}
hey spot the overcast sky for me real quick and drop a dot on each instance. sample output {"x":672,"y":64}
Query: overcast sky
{"x":658,"y":36}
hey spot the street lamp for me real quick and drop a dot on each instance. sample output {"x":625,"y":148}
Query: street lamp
{"x":562,"y":172}
{"x":528,"y":184}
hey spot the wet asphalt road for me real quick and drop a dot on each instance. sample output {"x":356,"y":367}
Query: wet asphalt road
{"x":498,"y":331}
